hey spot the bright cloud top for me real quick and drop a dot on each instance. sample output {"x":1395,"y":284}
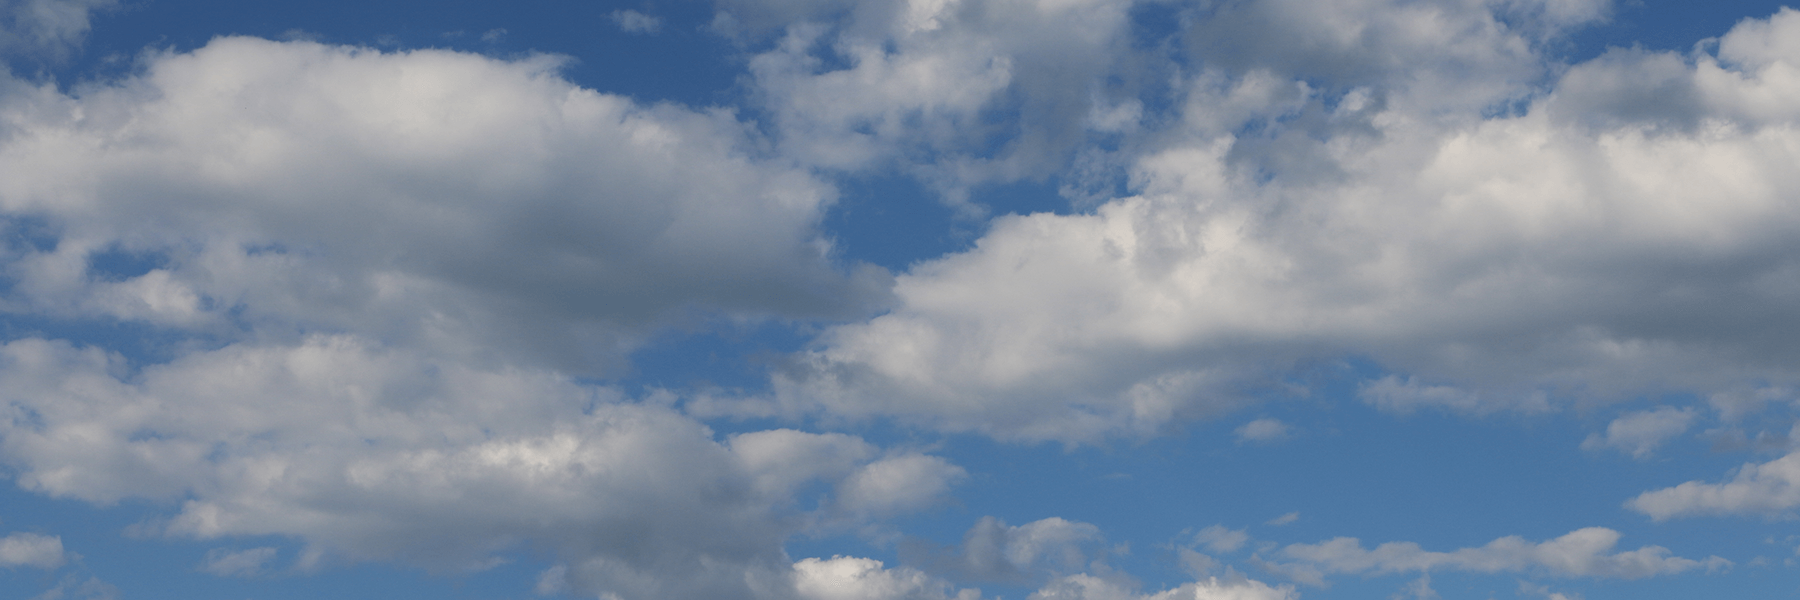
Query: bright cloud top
{"x":383,"y":305}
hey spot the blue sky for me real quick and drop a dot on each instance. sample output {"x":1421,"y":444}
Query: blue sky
{"x":912,"y":299}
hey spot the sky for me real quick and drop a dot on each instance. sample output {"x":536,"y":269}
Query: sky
{"x":899,"y":300}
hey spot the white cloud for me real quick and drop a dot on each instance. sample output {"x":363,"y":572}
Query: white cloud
{"x":1286,"y":519}
{"x":1511,"y":248}
{"x":636,"y":22}
{"x":915,"y":86}
{"x":31,"y":550}
{"x":1218,"y":538}
{"x":1419,"y":589}
{"x":995,"y":551}
{"x":441,"y":200}
{"x":848,"y":578}
{"x":1769,"y":489}
{"x":369,"y":453}
{"x":51,"y":27}
{"x":240,"y":563}
{"x":1264,"y":430}
{"x":1581,"y":553}
{"x":1233,"y":587}
{"x":1639,"y":433}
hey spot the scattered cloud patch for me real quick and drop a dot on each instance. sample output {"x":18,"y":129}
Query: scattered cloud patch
{"x":1284,"y":519}
{"x":31,"y":550}
{"x":1639,"y":433}
{"x":1265,"y":430}
{"x":1767,"y":489}
{"x":636,"y":22}
{"x":237,"y":563}
{"x":1581,"y":553}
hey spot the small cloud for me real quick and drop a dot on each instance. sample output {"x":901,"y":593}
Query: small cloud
{"x":636,"y":22}
{"x":1639,"y":433}
{"x":493,"y":35}
{"x":1221,"y":540}
{"x":1284,"y":519}
{"x":31,"y":549}
{"x":1264,"y":431}
{"x":247,"y":563}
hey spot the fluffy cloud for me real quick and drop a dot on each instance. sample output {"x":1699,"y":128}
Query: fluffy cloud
{"x":995,"y":551}
{"x":479,"y":207}
{"x":1088,"y":587}
{"x":372,"y":453}
{"x":956,"y":92}
{"x":1581,"y":553}
{"x":31,"y":550}
{"x":1768,"y":489}
{"x":1580,"y":242}
{"x":1639,"y":433}
{"x":848,"y":578}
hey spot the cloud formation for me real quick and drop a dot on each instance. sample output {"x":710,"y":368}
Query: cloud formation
{"x":1581,"y":553}
{"x":1766,"y":489}
{"x":31,"y":550}
{"x":1620,"y":228}
{"x":482,"y":208}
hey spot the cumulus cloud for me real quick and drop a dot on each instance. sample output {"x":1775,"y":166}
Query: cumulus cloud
{"x":1639,"y":433}
{"x":1581,"y":553}
{"x":957,"y":93}
{"x":370,"y":453}
{"x":995,"y":551}
{"x":470,"y":205}
{"x":1494,"y":234}
{"x":31,"y":550}
{"x":1766,"y":489}
{"x":849,"y":578}
{"x":1233,"y":587}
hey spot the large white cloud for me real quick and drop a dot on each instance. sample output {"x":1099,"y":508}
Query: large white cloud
{"x":1607,"y":238}
{"x":371,"y":453}
{"x":476,"y":206}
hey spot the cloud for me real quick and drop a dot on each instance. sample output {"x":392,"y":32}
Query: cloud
{"x":1286,"y":519}
{"x":1233,"y":587}
{"x":1264,"y":430}
{"x":1639,"y":433}
{"x":474,"y":206}
{"x":955,"y":93}
{"x":31,"y":550}
{"x":995,"y":551}
{"x":848,"y":578}
{"x":1766,"y":489}
{"x":1581,"y":553}
{"x":241,"y":563}
{"x":46,"y":27}
{"x":636,"y":22}
{"x":1219,"y":539}
{"x":364,"y":452}
{"x":1525,"y":247}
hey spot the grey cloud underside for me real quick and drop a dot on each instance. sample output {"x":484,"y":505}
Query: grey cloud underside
{"x":431,"y":198}
{"x":388,"y":269}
